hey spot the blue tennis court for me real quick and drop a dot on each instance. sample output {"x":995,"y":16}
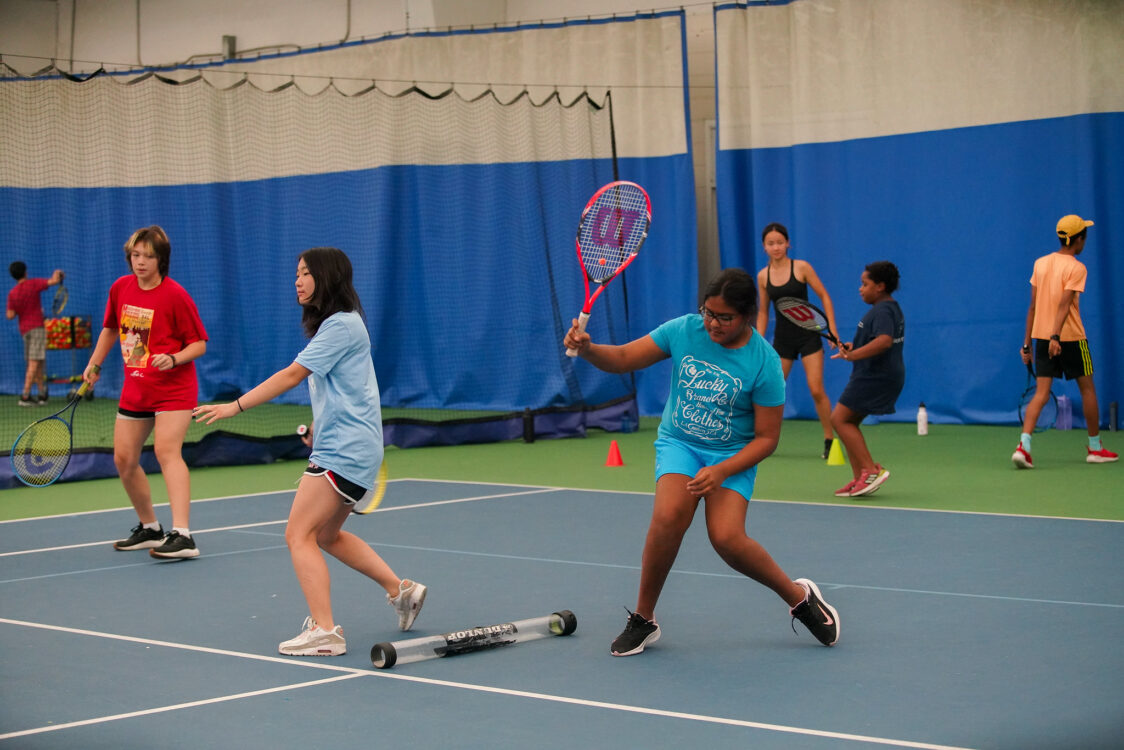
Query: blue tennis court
{"x":958,"y":630}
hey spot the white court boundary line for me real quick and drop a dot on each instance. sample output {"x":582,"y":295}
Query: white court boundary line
{"x":351,"y":672}
{"x":545,"y":488}
{"x":532,"y":490}
{"x":258,"y":524}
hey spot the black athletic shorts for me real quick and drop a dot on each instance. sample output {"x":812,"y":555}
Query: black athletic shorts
{"x":349,"y":491}
{"x":1074,"y":362}
{"x":793,"y":342}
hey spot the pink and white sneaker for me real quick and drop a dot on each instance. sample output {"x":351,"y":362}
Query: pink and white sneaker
{"x":847,"y":489}
{"x":869,"y":481}
{"x":1103,"y":456}
{"x":1021,"y":459}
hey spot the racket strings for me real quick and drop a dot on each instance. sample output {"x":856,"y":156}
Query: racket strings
{"x":42,"y":452}
{"x":612,"y":229}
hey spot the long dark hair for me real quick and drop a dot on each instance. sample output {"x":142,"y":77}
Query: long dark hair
{"x":737,"y":287}
{"x":331,"y":271}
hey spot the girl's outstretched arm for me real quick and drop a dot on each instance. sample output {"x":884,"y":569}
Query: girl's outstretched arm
{"x":269,"y":389}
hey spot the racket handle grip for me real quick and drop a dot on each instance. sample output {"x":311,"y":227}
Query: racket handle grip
{"x":582,"y":320}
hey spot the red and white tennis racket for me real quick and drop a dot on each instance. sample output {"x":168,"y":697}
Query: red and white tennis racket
{"x":806,"y":315}
{"x":613,"y":226}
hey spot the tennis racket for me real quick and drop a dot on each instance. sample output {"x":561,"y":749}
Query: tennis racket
{"x":613,"y":226}
{"x":1049,"y":410}
{"x":42,"y":451}
{"x":806,"y":315}
{"x":61,"y":297}
{"x":377,"y":494}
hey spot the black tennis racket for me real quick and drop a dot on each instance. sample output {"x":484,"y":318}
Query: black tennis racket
{"x":1049,"y":410}
{"x":61,"y":297}
{"x":42,"y":451}
{"x":806,"y":315}
{"x":613,"y":226}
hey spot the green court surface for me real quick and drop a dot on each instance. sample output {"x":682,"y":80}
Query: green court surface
{"x":964,"y":468}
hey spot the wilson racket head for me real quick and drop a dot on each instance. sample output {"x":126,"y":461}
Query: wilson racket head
{"x":613,"y":226}
{"x":41,"y":453}
{"x":806,"y":315}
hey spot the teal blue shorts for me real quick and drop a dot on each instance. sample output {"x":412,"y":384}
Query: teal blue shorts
{"x":677,"y":457}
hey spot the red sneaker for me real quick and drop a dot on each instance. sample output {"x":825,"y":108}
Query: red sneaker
{"x":1021,"y":459}
{"x":847,"y":489}
{"x":1103,"y":456}
{"x":869,"y":482}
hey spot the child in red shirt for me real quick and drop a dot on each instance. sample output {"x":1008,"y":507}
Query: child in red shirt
{"x":156,"y":324}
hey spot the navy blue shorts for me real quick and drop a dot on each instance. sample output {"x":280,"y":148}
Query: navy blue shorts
{"x":867,"y":396}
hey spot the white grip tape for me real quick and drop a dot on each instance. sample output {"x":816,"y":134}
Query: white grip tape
{"x":582,"y":320}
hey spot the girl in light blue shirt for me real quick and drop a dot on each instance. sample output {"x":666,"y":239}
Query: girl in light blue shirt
{"x":347,"y":449}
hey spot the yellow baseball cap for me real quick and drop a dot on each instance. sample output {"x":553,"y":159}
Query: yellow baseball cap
{"x":1071,"y":226}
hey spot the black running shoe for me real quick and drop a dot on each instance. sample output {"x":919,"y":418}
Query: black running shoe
{"x":141,"y":538}
{"x":826,"y":449}
{"x":818,"y":616}
{"x":638,"y":633}
{"x":176,"y":546}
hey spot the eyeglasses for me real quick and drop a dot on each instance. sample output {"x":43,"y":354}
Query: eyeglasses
{"x":708,"y":315}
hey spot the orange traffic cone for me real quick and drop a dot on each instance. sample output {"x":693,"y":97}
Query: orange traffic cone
{"x":614,"y":458}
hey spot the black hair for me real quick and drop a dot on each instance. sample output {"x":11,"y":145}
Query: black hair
{"x":155,"y":238}
{"x":1067,"y":241}
{"x":334,"y":292}
{"x":737,"y":288}
{"x":774,"y":227}
{"x":884,"y":272}
{"x":18,"y":270}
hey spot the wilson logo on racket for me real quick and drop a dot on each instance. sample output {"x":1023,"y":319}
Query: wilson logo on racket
{"x":614,"y":226}
{"x":800,"y":312}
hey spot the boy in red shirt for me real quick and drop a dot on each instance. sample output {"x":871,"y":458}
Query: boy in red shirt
{"x":23,"y":302}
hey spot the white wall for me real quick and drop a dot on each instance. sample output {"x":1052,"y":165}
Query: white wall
{"x":114,"y":35}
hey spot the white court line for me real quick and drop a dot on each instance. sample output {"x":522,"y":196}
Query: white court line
{"x":257,"y":524}
{"x":544,"y":488}
{"x":351,"y":672}
{"x":474,"y":553}
{"x":176,"y":707}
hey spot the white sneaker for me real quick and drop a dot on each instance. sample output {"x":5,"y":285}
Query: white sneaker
{"x":315,"y":641}
{"x":408,"y":603}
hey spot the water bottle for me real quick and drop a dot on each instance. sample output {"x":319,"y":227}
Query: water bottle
{"x":1065,"y":414}
{"x":922,"y":420}
{"x":626,"y":422}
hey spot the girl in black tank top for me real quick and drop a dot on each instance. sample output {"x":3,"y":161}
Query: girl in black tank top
{"x":791,"y":341}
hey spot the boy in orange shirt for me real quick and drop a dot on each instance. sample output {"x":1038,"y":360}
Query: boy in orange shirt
{"x":1060,"y":346}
